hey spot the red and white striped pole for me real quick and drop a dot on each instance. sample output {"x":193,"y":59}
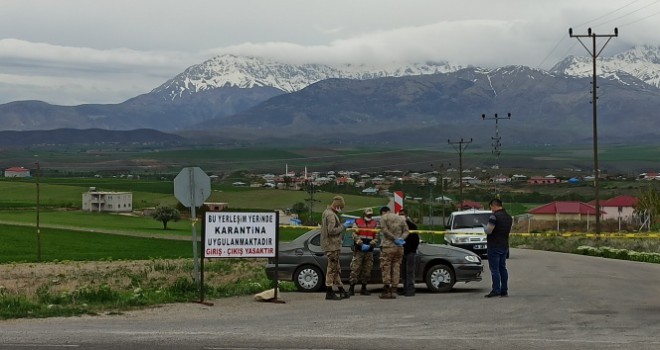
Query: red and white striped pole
{"x":398,"y":201}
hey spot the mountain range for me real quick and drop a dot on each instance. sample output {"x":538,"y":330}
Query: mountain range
{"x":234,"y":97}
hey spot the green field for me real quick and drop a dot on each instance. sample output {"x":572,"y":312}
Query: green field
{"x":19,"y":244}
{"x":67,"y":192}
{"x":103,"y":222}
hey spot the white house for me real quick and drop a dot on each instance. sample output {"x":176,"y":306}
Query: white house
{"x":99,"y":201}
{"x":17,"y":172}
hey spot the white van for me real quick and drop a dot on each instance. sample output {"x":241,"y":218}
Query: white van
{"x":465,"y":229}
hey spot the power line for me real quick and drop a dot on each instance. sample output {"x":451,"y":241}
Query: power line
{"x":627,"y":14}
{"x":557,"y":45}
{"x":607,"y":14}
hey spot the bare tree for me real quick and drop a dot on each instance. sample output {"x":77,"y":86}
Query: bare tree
{"x":648,"y":206}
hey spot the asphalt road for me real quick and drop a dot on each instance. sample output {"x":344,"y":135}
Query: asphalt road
{"x":557,"y":301}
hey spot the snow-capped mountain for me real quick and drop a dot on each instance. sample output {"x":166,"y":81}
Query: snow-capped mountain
{"x":642,"y":62}
{"x":246,"y":72}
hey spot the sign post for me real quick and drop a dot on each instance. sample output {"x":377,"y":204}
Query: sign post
{"x":192,"y":187}
{"x":242,"y":235}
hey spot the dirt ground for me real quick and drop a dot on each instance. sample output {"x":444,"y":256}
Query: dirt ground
{"x":26,"y":278}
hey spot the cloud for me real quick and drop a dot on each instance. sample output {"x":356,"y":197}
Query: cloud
{"x":130,"y":53}
{"x":459,"y":42}
{"x":74,"y":75}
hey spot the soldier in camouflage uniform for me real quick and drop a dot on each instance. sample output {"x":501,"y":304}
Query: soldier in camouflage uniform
{"x":364,"y":236}
{"x":394,"y":231}
{"x":331,"y":238}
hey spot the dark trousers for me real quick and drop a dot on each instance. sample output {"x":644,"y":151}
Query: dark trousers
{"x":408,"y":273}
{"x":498,"y":271}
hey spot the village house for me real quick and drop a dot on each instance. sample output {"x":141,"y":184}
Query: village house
{"x":17,"y":172}
{"x":216,"y":206}
{"x":564,"y":211}
{"x":105,"y":201}
{"x":500,"y":179}
{"x":649,"y":176}
{"x":548,"y":179}
{"x":620,"y":207}
{"x":468,"y":204}
{"x":519,"y":177}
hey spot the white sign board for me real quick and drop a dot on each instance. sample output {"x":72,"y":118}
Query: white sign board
{"x":240,"y":235}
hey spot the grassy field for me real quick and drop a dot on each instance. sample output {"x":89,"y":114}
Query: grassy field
{"x":18,"y":244}
{"x":67,"y":192}
{"x":86,"y":221}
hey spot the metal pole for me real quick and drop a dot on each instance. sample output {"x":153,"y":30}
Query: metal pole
{"x":594,"y":55}
{"x":193,"y":219}
{"x":430,"y":206}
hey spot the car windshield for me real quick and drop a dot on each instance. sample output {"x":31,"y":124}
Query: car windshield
{"x":471,"y":220}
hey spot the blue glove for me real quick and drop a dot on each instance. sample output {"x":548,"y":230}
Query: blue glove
{"x":399,"y":242}
{"x":348,"y":224}
{"x":365,"y":247}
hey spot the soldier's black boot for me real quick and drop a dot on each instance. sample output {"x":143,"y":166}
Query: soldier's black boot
{"x":343,"y":294}
{"x":386,"y":293}
{"x":364,"y":290}
{"x":351,"y":289}
{"x":330,"y":295}
{"x":393,"y":292}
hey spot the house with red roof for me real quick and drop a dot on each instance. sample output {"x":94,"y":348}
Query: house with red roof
{"x":542,"y":180}
{"x":565,"y":211}
{"x":619,"y":207}
{"x":17,"y":172}
{"x":468,"y":204}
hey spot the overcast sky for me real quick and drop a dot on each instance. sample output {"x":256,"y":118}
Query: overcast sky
{"x":71,"y":52}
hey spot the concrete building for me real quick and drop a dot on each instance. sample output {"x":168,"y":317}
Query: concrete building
{"x":102,"y":201}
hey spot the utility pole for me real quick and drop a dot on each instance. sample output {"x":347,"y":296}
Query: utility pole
{"x":310,"y":188}
{"x":594,"y":55}
{"x":496,"y":143}
{"x":458,"y":146}
{"x":442,"y":195}
{"x":38,"y":200}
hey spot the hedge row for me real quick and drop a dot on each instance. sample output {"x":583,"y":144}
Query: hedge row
{"x":622,"y":254}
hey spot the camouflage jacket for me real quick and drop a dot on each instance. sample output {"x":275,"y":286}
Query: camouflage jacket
{"x":331,"y":231}
{"x":393,"y":226}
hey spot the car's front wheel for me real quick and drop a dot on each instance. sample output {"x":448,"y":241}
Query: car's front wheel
{"x":308,"y":278}
{"x":440,"y":278}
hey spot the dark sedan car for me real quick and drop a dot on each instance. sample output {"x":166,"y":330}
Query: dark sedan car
{"x":439,"y":266}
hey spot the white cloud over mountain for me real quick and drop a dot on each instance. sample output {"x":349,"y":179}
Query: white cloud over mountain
{"x":101,"y":53}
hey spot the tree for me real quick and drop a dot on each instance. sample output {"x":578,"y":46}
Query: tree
{"x":166,"y":214}
{"x":301,"y":209}
{"x":648,"y":206}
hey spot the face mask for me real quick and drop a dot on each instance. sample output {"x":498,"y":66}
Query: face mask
{"x":367,"y":218}
{"x":338,"y":210}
